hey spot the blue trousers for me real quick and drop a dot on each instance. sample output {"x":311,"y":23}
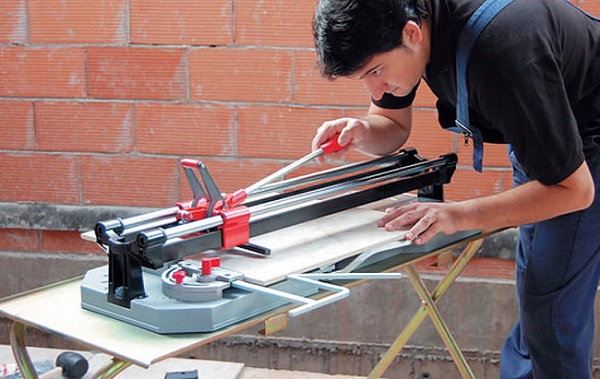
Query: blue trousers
{"x":557,"y":274}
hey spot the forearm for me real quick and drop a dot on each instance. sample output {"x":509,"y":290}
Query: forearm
{"x":528,"y":203}
{"x":383,"y":135}
{"x":386,"y":130}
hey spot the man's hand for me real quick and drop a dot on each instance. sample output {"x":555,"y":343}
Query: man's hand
{"x":380,"y":132}
{"x":352,"y":132}
{"x":425,"y":220}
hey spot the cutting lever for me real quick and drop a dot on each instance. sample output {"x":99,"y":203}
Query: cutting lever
{"x":205,"y":204}
{"x":331,"y":146}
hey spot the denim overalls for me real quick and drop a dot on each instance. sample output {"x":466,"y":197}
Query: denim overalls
{"x":558,"y":260}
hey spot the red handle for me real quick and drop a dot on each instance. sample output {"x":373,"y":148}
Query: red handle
{"x":332,"y":145}
{"x":189,"y":163}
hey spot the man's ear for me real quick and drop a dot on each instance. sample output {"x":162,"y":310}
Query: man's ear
{"x":412,"y":34}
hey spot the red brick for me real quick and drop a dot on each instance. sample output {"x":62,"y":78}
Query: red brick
{"x":77,"y":21}
{"x":13,"y":21}
{"x":16,"y":125}
{"x":279,"y":132}
{"x":591,"y":6}
{"x":130,"y":180}
{"x":39,"y":177}
{"x":85,"y":126}
{"x":468,"y":184}
{"x":312,"y":88}
{"x":490,"y":268}
{"x":19,"y":240}
{"x":274,"y":23}
{"x":231,"y":175}
{"x":185,"y":129}
{"x":187,"y":22}
{"x":57,"y":241}
{"x":476,"y":268}
{"x":427,"y":136}
{"x":137,"y":73}
{"x":241,"y":74}
{"x":424,"y":96}
{"x":42,"y":72}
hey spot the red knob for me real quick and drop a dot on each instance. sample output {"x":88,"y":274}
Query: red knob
{"x":178,"y":276}
{"x":209,"y":263}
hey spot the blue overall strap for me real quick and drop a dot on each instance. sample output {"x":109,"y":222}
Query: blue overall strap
{"x":478,"y":21}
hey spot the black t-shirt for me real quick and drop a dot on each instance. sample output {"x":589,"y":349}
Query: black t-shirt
{"x":533,"y":79}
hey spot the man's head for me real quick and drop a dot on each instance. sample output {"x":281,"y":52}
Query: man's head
{"x":348,"y":33}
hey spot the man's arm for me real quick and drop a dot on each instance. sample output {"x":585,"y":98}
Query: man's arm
{"x":382,"y":131}
{"x":389,"y":130}
{"x":533,"y":201}
{"x":530,"y":202}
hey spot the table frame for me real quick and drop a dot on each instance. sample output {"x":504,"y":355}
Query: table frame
{"x":428,"y":308}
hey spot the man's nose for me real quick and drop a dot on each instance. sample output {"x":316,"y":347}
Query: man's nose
{"x":376,"y":88}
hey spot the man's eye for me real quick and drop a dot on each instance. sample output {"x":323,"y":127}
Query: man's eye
{"x":376,"y":72}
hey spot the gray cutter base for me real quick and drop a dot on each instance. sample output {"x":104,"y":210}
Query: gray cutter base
{"x":162,"y":314}
{"x":165,"y":315}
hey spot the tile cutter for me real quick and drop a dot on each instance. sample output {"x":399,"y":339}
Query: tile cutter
{"x":149,"y":279}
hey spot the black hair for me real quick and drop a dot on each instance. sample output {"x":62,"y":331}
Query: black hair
{"x":350,"y":32}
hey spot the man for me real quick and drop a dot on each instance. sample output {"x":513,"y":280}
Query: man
{"x":533,"y":82}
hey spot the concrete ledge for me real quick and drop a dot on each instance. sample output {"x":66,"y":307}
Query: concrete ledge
{"x":25,"y":271}
{"x":44,"y":216}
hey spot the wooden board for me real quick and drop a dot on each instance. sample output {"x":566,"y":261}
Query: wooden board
{"x":310,"y":245}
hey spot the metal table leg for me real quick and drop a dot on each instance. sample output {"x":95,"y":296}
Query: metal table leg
{"x":429,"y":304}
{"x":17,"y":341}
{"x":428,"y":308}
{"x":111,"y":369}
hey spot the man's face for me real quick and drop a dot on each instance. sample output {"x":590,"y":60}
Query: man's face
{"x":397,"y":72}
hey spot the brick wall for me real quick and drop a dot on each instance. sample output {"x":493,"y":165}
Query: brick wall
{"x":99,"y":100}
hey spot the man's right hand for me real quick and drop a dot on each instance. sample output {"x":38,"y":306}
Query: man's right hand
{"x":351,"y":130}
